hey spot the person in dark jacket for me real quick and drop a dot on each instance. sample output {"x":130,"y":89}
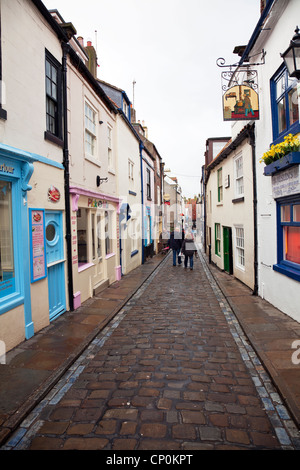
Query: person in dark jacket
{"x":189,"y":249}
{"x":175,"y":244}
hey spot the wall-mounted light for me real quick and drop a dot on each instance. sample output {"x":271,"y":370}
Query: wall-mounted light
{"x":291,"y":56}
{"x":100,"y":180}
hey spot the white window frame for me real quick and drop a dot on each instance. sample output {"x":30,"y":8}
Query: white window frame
{"x":110,"y":159}
{"x":130,"y":169}
{"x":239,"y":176}
{"x":90,"y":131}
{"x":240,"y":247}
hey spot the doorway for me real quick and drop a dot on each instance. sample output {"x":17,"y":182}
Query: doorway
{"x":55,"y":263}
{"x":227,"y":250}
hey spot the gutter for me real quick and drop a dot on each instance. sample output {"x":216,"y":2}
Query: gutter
{"x":142,"y":201}
{"x":256,"y":32}
{"x":66,"y":48}
{"x":251,"y":134}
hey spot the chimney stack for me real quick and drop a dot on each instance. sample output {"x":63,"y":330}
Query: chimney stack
{"x":262,"y":5}
{"x":92,"y":64}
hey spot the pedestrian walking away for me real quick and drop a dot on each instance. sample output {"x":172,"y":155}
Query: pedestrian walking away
{"x":189,"y":249}
{"x":175,"y":244}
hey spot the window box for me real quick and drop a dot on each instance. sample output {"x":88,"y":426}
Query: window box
{"x":291,"y":159}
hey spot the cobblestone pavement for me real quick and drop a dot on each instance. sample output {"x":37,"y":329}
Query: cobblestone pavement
{"x":172,"y":371}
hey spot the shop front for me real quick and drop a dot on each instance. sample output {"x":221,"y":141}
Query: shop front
{"x":29,"y":243}
{"x":95,"y":242}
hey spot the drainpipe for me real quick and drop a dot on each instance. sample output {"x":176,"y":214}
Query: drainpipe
{"x":142,"y":200}
{"x":251,"y":134}
{"x":65,"y":48}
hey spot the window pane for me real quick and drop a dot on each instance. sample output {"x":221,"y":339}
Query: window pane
{"x":280,"y":86}
{"x":107,"y":234}
{"x":99,"y":236}
{"x":7,"y":270}
{"x":292,"y":244}
{"x":296,"y":213}
{"x":281,"y":115}
{"x":293,"y":105}
{"x":285,"y":213}
{"x":82,"y":220}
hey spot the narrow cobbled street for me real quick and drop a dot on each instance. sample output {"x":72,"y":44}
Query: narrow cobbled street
{"x":172,"y":371}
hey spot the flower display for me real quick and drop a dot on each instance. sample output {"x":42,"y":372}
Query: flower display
{"x":290,"y":144}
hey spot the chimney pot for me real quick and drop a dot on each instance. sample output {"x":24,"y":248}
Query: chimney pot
{"x":89,"y":43}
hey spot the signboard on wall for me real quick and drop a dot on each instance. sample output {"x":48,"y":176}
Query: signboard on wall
{"x":286,"y":182}
{"x":37,"y":244}
{"x":240,"y":97}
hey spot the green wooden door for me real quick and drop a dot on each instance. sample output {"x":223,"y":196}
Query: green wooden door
{"x":227,"y":249}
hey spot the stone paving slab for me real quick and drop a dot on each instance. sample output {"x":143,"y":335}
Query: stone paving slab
{"x":174,"y":374}
{"x":35,"y":366}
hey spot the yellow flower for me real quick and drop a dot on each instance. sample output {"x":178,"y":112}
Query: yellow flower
{"x":291,"y":143}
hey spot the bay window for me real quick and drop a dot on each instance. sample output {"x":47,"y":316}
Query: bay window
{"x":7,"y":268}
{"x":284,"y":101}
{"x":288,"y":239}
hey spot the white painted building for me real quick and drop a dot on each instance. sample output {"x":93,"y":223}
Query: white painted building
{"x":32,"y":202}
{"x":278,"y":203}
{"x":230,"y":229}
{"x":129,"y":180}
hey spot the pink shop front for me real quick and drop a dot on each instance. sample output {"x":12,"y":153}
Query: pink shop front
{"x":95,"y":242}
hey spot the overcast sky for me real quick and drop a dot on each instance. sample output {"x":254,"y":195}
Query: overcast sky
{"x":169,"y":48}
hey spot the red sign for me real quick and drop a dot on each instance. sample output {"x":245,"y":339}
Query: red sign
{"x":53,"y":194}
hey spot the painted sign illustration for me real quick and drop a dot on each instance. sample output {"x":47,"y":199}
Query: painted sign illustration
{"x":37,"y":244}
{"x":240,"y":98}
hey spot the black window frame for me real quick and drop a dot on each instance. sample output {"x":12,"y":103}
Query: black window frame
{"x":55,"y":136}
{"x":148,"y":184}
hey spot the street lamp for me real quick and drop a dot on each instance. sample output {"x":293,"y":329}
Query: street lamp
{"x":291,"y":56}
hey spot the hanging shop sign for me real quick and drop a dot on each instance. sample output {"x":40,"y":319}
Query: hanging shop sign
{"x":53,"y":194}
{"x":240,"y":98}
{"x":37,"y":244}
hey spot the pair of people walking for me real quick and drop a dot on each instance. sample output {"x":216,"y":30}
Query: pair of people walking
{"x":185,"y":245}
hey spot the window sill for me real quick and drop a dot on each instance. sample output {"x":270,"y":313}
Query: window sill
{"x":85,"y":266}
{"x":110,"y":255}
{"x":3,"y":114}
{"x":52,"y":138}
{"x":287,"y":271}
{"x":12,"y":301}
{"x":238,"y":199}
{"x":293,"y":158}
{"x":93,"y":160}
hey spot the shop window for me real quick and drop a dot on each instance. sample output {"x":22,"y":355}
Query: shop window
{"x":218,"y":239}
{"x":53,"y":98}
{"x":98,"y":241}
{"x":285,"y":109}
{"x":108,"y":233}
{"x":82,"y":236}
{"x":288,"y":237}
{"x":7,"y":267}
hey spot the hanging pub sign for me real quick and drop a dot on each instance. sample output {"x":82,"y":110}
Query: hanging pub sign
{"x":240,"y":96}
